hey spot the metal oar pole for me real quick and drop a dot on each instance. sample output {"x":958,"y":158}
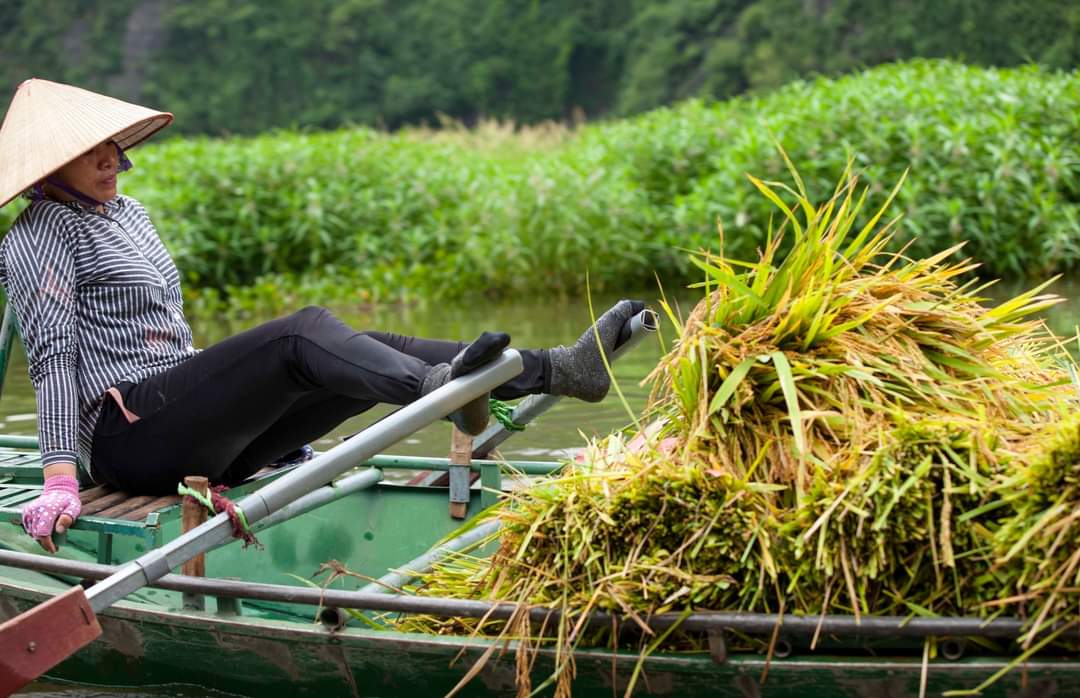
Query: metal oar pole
{"x":312,"y":475}
{"x":354,"y":482}
{"x":395,"y":580}
{"x":636,"y":329}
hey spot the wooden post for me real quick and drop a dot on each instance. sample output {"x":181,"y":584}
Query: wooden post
{"x":193,"y":514}
{"x":461,"y":445}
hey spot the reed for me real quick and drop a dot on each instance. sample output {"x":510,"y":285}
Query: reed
{"x":357,"y":215}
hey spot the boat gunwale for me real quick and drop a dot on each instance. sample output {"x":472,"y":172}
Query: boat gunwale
{"x":358,"y":636}
{"x":702,"y":621}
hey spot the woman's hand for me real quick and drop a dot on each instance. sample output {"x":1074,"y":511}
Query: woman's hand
{"x":55,"y":510}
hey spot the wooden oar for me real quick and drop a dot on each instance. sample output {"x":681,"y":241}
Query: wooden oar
{"x":39,"y":639}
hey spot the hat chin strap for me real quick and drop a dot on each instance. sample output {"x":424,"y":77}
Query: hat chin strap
{"x":123,"y":165}
{"x":71,"y":191}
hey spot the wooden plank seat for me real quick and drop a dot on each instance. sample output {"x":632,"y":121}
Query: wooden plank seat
{"x":20,"y":482}
{"x":99,"y":502}
{"x":102,"y":501}
{"x":104,"y":510}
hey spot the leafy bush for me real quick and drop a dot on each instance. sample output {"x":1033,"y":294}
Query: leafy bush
{"x":993,"y":155}
{"x":228,"y":67}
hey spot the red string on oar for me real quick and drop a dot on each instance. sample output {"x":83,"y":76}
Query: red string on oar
{"x":217,"y":503}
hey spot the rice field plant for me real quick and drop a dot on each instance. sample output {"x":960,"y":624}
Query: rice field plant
{"x":839,"y":427}
{"x":359,"y":215}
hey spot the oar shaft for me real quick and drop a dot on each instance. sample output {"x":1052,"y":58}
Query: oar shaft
{"x":313,"y":474}
{"x":754,"y":623}
{"x":354,"y":482}
{"x":407,"y":572}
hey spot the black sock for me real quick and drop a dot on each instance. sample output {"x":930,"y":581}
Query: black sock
{"x":484,"y":349}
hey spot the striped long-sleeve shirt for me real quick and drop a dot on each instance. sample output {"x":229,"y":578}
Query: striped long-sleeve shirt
{"x":98,"y":301}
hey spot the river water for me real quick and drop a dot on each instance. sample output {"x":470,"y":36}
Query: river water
{"x":532,"y":323}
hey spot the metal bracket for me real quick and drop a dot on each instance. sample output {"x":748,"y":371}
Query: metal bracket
{"x":461,"y":446}
{"x":717,"y":645}
{"x":154,"y":565}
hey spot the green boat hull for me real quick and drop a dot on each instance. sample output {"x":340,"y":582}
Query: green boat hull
{"x":281,"y":649}
{"x":144,"y":645}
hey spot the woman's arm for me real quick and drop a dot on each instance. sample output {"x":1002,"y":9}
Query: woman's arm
{"x":40,"y":278}
{"x":68,"y":469}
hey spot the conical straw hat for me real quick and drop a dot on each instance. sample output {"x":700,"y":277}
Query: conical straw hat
{"x":49,"y":124}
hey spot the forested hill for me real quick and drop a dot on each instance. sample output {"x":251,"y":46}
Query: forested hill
{"x":242,"y":66}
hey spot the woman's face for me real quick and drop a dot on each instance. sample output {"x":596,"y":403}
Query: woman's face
{"x":93,"y":173}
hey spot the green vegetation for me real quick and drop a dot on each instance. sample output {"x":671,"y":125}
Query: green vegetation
{"x":837,"y":429}
{"x":994,"y":158}
{"x":243,"y":66}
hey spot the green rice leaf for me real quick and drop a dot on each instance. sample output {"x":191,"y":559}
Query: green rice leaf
{"x":791,"y":398}
{"x":727,"y":388}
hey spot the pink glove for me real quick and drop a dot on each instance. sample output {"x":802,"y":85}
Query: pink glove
{"x":61,"y":496}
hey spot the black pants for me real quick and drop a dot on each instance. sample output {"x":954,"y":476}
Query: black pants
{"x":248,"y":400}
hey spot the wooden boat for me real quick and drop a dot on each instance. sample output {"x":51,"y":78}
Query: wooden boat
{"x":255,"y":624}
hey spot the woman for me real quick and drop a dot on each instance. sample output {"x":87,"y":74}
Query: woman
{"x":119,"y":386}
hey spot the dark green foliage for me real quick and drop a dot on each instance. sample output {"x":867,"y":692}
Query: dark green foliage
{"x":240,"y":66}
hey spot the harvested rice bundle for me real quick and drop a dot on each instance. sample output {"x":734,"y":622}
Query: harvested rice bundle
{"x":837,"y":429}
{"x":802,"y":363}
{"x":622,"y":536}
{"x":1038,"y":548}
{"x":693,"y":537}
{"x":905,"y":534}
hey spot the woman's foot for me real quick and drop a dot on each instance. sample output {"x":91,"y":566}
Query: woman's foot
{"x":473,"y":417}
{"x":579,"y":371}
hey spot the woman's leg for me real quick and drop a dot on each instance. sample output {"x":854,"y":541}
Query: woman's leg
{"x":318,"y":413}
{"x":306,"y":421}
{"x":199,"y":417}
{"x":203,"y":416}
{"x":532,"y":379}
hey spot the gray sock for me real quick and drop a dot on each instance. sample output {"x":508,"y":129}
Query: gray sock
{"x":578,"y":371}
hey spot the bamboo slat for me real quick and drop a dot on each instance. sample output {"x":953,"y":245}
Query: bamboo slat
{"x":102,"y":503}
{"x":89,"y":495}
{"x":118,"y":510}
{"x":158,"y":504}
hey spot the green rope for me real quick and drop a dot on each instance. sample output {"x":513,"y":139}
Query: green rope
{"x":239,"y":521}
{"x":504,"y":415}
{"x":182,"y":489}
{"x":242,"y":517}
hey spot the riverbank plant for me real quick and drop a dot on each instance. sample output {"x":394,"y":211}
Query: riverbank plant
{"x":839,"y":428}
{"x":363,"y":216}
